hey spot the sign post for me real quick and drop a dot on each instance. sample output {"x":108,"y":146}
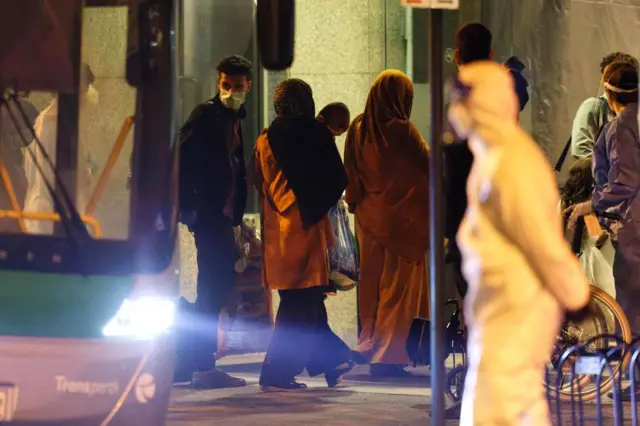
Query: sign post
{"x":436,"y":202}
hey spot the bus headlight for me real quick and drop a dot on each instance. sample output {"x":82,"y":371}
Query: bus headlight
{"x":142,"y":317}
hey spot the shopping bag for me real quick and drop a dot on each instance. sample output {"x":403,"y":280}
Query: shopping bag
{"x":343,"y":256}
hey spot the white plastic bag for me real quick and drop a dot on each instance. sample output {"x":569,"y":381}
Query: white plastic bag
{"x":597,"y":264}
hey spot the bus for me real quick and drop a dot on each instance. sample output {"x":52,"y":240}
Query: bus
{"x":88,"y":252}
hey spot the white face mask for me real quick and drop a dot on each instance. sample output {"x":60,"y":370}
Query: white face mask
{"x":232,"y":100}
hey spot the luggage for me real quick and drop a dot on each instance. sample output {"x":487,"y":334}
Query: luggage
{"x":418,"y":344}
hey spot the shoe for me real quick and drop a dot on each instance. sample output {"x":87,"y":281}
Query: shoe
{"x":625,"y":394}
{"x":388,"y":370}
{"x":453,"y":412}
{"x":283,"y":387}
{"x":215,"y":379}
{"x":359,"y":358}
{"x":334,"y":377}
{"x":182,"y":375}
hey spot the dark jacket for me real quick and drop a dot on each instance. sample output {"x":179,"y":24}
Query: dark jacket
{"x":206,"y":173}
{"x":458,"y":160}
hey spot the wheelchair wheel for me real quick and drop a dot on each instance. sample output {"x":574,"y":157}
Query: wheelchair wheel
{"x":455,"y":383}
{"x":605,"y":316}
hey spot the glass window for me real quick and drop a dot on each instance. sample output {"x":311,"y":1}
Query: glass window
{"x":95,"y":168}
{"x":106,"y":129}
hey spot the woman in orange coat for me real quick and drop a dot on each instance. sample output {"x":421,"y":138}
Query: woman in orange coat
{"x":300,"y":176}
{"x":387,"y":163}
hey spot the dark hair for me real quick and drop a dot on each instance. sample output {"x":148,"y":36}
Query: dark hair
{"x":336,"y":115}
{"x":617,"y":57}
{"x":293,"y":97}
{"x":236,"y":65}
{"x":521,"y":84}
{"x":579,"y":185}
{"x":621,"y":82}
{"x":473,"y":42}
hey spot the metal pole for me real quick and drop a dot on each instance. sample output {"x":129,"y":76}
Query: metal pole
{"x":436,"y":220}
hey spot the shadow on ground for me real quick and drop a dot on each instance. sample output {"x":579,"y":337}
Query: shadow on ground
{"x":418,"y":377}
{"x":307,"y":402}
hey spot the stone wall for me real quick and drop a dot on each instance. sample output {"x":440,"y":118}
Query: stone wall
{"x":341,"y":47}
{"x":104,"y":49}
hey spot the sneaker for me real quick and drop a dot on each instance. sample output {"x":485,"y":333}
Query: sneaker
{"x":334,"y":377}
{"x":215,"y":379}
{"x":283,"y":387}
{"x":453,"y":412}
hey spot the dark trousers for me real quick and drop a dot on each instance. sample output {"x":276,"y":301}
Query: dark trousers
{"x":198,"y":323}
{"x":454,"y":257}
{"x":626,"y":273}
{"x":302,"y":339}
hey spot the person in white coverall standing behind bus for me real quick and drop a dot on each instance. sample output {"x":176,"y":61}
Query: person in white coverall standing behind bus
{"x":38,"y":198}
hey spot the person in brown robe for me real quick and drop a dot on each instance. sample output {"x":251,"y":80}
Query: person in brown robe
{"x":299,"y":176}
{"x":387,"y":164}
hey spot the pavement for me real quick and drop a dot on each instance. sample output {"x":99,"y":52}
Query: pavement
{"x":359,"y":400}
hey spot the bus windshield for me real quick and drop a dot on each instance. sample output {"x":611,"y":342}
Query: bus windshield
{"x":94,"y":168}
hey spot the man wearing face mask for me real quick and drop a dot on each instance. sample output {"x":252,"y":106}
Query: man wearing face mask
{"x":38,"y":198}
{"x":213,"y":196}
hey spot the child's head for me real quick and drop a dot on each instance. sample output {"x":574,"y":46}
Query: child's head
{"x":579,"y":185}
{"x":336,"y":117}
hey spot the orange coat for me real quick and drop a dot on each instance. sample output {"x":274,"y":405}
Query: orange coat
{"x":293,"y":258}
{"x":387,"y":162}
{"x":388,"y":170}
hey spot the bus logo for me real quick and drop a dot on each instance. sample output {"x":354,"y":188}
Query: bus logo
{"x":145,"y":388}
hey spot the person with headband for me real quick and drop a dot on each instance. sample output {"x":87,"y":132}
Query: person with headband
{"x":616,"y":195}
{"x":38,"y":199}
{"x":594,"y":113}
{"x":299,"y":175}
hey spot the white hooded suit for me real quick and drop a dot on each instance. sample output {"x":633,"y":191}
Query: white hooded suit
{"x":521,"y":272}
{"x":38,"y":198}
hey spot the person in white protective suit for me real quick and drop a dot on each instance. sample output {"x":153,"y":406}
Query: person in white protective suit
{"x":38,"y":198}
{"x":522,"y":275}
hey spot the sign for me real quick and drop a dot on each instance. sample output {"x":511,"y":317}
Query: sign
{"x":449,"y":55}
{"x":90,"y":389}
{"x":589,"y":365}
{"x":432,"y":4}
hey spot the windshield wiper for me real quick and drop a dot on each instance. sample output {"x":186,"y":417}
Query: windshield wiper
{"x":64,"y":207}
